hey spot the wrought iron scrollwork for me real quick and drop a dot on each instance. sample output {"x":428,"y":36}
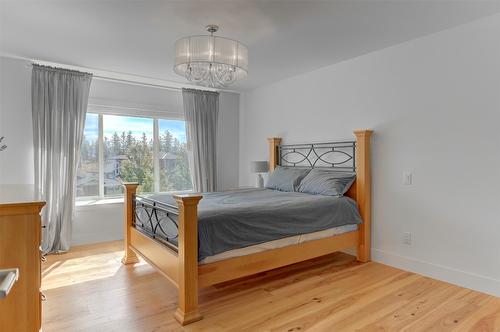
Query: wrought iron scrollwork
{"x":157,"y":220}
{"x":338,"y":155}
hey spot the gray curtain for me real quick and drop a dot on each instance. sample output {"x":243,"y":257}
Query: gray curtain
{"x":59,"y":103}
{"x":201,"y":109}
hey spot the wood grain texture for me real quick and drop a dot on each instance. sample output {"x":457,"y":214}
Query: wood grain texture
{"x":364,"y":192}
{"x":159,"y":256}
{"x":273,"y":142}
{"x":187,"y":310}
{"x":237,"y":267}
{"x":129,"y":256}
{"x":20,"y":236}
{"x":89,"y":290}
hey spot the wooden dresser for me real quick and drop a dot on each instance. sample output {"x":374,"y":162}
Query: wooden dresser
{"x":20,"y":236}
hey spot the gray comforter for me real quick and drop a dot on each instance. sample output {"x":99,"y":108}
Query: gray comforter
{"x":244,"y":217}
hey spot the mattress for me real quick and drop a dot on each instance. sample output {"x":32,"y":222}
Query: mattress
{"x":246,"y":217}
{"x":285,"y":242}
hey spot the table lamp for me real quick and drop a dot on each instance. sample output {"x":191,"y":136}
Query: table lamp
{"x":259,"y":167}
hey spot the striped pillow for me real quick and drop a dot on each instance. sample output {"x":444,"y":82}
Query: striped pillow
{"x":286,"y":178}
{"x":327,"y":182}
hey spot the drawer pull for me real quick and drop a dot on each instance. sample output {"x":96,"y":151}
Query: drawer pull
{"x":43,"y":258}
{"x":43,"y":297}
{"x":7,"y":279}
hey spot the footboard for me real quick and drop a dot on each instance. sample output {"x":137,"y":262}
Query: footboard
{"x":157,"y":220}
{"x":166,"y":236}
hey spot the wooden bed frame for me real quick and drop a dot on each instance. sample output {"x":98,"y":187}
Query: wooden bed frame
{"x":182,"y":269}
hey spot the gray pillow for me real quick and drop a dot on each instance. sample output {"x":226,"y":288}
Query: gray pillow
{"x":286,"y":178}
{"x":327,"y":182}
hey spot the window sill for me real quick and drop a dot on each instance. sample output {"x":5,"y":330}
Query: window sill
{"x":89,"y":202}
{"x":97,"y":201}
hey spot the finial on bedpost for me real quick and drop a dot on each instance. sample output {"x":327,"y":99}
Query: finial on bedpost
{"x":363,"y":192}
{"x":129,"y":256}
{"x":274,"y":142}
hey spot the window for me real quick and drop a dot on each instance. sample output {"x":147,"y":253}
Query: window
{"x":87,"y":176}
{"x":120,"y":149}
{"x":173,"y":162}
{"x":128,"y":153}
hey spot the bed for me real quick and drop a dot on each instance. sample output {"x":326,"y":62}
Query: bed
{"x":196,"y":241}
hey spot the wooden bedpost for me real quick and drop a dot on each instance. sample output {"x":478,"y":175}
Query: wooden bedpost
{"x":273,"y":152}
{"x":363,"y":192}
{"x":187,"y":312}
{"x":129,"y":256}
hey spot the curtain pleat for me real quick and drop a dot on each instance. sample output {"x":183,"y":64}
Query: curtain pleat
{"x":59,"y":104}
{"x":201,"y":109}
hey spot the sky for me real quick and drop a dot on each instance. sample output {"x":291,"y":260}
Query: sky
{"x":176,"y":127}
{"x":91,"y":127}
{"x":112,"y":123}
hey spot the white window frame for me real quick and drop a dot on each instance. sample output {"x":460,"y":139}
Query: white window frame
{"x":156,"y":116}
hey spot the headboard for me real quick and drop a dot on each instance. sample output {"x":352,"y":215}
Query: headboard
{"x":340,"y":156}
{"x":343,"y":156}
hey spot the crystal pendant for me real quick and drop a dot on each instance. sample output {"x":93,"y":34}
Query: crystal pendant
{"x":211,"y":60}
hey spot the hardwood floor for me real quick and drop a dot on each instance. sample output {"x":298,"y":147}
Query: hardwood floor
{"x":89,"y":290}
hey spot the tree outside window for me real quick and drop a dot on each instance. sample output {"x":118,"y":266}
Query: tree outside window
{"x":128,"y":155}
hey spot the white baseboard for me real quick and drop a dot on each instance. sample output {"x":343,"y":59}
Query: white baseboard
{"x":448,"y":274}
{"x":83,"y":239}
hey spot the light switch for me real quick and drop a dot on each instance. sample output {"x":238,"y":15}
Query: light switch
{"x":407,"y":178}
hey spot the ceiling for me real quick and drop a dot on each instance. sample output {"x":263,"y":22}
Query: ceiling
{"x":285,"y":38}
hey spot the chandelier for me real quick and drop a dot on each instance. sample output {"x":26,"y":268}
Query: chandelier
{"x":210,"y":60}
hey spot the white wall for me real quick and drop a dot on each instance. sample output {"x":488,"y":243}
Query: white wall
{"x":102,"y":222}
{"x":16,"y":162}
{"x":434,"y":104}
{"x":116,"y":97}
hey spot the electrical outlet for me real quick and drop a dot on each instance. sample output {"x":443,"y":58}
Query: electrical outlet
{"x":407,"y":178}
{"x":407,"y":237}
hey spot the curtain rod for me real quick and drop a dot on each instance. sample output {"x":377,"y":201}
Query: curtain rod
{"x":121,"y":80}
{"x":114,"y":79}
